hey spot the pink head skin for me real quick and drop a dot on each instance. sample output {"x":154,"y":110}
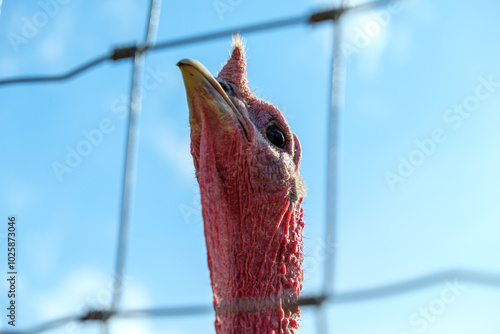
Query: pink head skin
{"x":246,"y":160}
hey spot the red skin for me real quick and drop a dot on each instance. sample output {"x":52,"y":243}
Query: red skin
{"x":251,"y":195}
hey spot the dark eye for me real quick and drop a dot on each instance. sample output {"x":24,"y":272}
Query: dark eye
{"x":276,"y":136}
{"x":226,"y":86}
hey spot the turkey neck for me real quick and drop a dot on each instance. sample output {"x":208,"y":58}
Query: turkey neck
{"x":254,"y":250}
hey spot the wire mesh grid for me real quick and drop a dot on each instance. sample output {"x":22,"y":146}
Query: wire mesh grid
{"x":338,"y":72}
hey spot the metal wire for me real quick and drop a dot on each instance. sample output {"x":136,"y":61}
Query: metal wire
{"x":332,"y":169}
{"x":130,"y":171}
{"x":232,"y":31}
{"x":61,"y":77}
{"x":385,"y":291}
{"x":336,"y":98}
{"x":415,"y":284}
{"x":46,"y":326}
{"x":104,"y":327}
{"x":119,"y":54}
{"x":154,"y":22}
{"x":328,"y":293}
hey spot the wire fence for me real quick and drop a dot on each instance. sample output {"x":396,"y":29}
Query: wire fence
{"x":338,"y":71}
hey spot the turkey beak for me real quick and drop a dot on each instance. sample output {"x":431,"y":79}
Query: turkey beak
{"x":198,"y":80}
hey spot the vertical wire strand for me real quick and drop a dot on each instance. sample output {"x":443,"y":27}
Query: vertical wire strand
{"x":104,"y":327}
{"x":130,"y":171}
{"x":321,"y":319}
{"x":154,"y":21}
{"x":336,"y":103}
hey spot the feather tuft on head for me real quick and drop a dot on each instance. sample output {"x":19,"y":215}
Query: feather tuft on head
{"x":234,"y":71}
{"x":238,"y":41}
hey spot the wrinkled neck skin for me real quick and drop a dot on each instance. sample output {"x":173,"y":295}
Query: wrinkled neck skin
{"x":253,"y":234}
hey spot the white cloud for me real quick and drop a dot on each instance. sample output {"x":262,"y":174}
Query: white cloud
{"x":44,"y":260}
{"x":72,"y":295}
{"x":135,"y":296}
{"x":174,"y":149}
{"x":20,"y":196}
{"x":118,"y":9}
{"x":365,"y":37}
{"x":9,"y":66}
{"x":369,"y":39}
{"x":135,"y":326}
{"x":120,"y":14}
{"x":402,"y":40}
{"x":371,"y":104}
{"x":52,"y":48}
{"x":425,"y":10}
{"x":86,"y":288}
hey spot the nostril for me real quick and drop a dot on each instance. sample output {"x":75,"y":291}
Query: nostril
{"x":226,"y":86}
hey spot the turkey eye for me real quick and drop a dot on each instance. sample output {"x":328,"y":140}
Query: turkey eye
{"x":225,"y":86}
{"x":276,"y":136}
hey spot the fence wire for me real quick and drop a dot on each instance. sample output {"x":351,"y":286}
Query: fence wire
{"x":130,"y":172}
{"x":328,"y":294}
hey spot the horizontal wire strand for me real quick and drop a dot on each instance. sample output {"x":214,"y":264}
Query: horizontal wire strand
{"x":128,"y":52}
{"x":478,"y":278}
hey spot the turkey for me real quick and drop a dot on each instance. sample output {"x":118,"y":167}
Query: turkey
{"x":247,"y":165}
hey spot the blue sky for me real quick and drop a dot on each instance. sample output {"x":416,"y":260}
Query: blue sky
{"x":403,"y":84}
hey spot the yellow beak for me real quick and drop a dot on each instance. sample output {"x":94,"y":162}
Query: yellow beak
{"x":200,"y":83}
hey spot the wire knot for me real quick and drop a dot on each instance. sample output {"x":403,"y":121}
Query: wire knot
{"x":101,"y":315}
{"x":326,"y":15}
{"x":125,"y":52}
